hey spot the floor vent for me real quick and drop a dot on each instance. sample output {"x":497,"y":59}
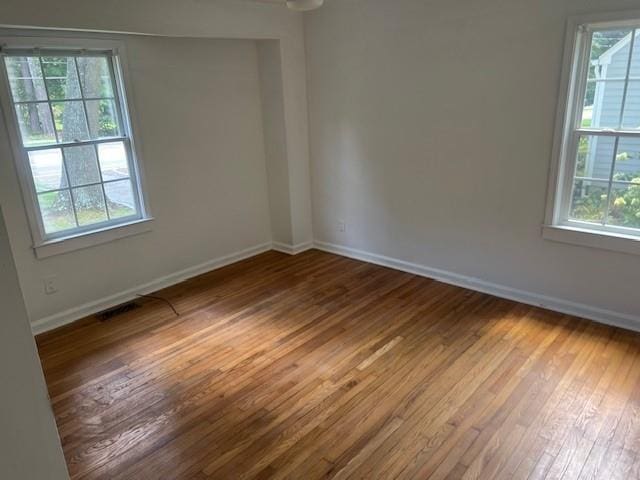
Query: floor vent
{"x":107,"y":315}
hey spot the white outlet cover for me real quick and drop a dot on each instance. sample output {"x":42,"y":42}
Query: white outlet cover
{"x":50,"y":285}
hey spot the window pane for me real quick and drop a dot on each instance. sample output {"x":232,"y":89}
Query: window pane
{"x":604,"y":45}
{"x":595,"y":154}
{"x":47,"y":169}
{"x":113,"y":160}
{"x":71,"y":123}
{"x":95,"y":77}
{"x":103,"y":120}
{"x":89,"y":203}
{"x":624,"y":208}
{"x":627,"y":159}
{"x":56,"y":210}
{"x":609,"y":60}
{"x":61,"y":77}
{"x":25,"y":79}
{"x":588,"y":201}
{"x":82,"y":165}
{"x":603,"y":111}
{"x":120,"y":199}
{"x":631,"y":117}
{"x":36,"y":126}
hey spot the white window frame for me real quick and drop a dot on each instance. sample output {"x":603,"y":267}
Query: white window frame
{"x":47,"y":245}
{"x":557,"y":225}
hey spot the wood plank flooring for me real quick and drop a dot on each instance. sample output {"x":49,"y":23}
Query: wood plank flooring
{"x":318,"y":366}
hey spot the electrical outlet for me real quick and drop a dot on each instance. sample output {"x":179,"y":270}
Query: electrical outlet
{"x":50,"y":284}
{"x":342,"y":227}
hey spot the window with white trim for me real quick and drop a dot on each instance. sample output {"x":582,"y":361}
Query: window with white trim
{"x":597,"y":187}
{"x":72,"y":139}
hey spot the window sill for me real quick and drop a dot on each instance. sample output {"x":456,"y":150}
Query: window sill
{"x":91,"y":239}
{"x":590,"y":238}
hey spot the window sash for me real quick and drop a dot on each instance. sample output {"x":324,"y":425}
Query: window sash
{"x":70,"y":188}
{"x":574,"y":131}
{"x":75,"y":54}
{"x":124,"y":136}
{"x":63,"y":100}
{"x":94,"y":184}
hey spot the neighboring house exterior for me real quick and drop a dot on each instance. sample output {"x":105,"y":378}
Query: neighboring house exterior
{"x":610,"y":71}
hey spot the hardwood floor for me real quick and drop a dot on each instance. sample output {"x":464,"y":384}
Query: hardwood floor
{"x":317,"y":366}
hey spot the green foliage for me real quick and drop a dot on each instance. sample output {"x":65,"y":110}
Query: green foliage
{"x":49,"y":200}
{"x":590,"y":200}
{"x":625,"y":204}
{"x":106,"y":120}
{"x":583,"y":151}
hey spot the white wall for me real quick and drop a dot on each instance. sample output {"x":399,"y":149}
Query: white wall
{"x":432,"y":125}
{"x":241,"y":19}
{"x":29,"y":443}
{"x":197,"y":102}
{"x":275,"y":142}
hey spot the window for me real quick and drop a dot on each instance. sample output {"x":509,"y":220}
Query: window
{"x":73,"y":140}
{"x":597,"y":186}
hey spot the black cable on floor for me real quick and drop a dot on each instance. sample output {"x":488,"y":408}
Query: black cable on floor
{"x":154,"y":297}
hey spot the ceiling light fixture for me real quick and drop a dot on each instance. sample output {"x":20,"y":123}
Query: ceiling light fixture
{"x":303,"y":5}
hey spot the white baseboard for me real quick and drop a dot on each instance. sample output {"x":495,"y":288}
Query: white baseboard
{"x":600,"y":315}
{"x":292,"y":249}
{"x":68,"y":316}
{"x":608,"y":317}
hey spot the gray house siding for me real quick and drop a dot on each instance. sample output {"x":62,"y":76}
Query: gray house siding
{"x":606,"y":112}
